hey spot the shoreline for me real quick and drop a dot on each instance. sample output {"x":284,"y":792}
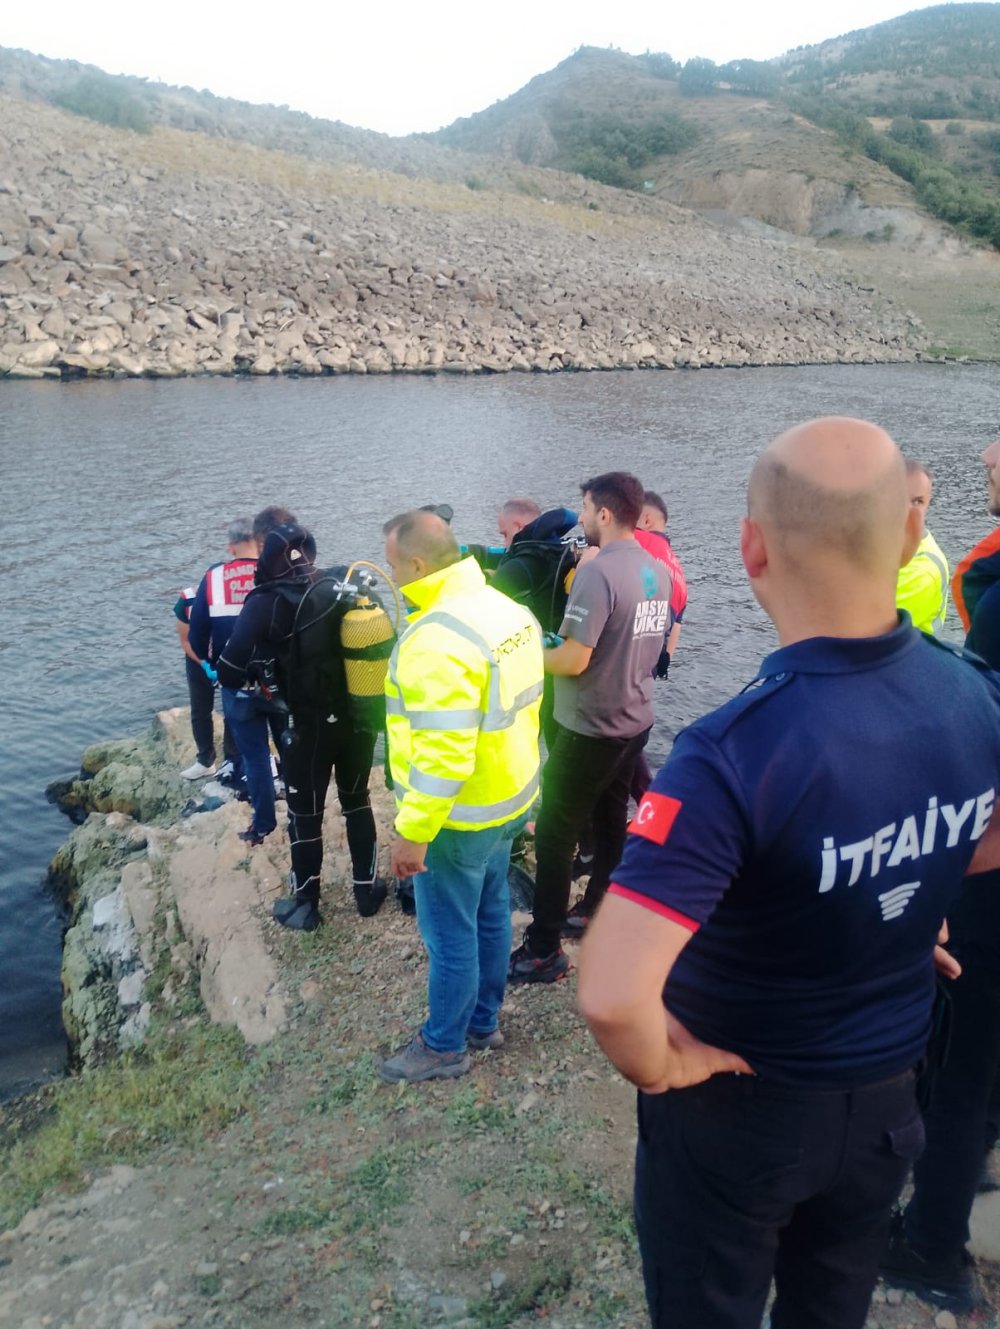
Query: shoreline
{"x":56,"y":374}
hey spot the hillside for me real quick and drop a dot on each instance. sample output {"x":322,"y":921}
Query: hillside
{"x":938,"y":63}
{"x":617,"y":211}
{"x":165,"y":251}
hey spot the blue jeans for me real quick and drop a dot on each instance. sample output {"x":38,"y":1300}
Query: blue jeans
{"x":250,"y":730}
{"x":463,"y":913}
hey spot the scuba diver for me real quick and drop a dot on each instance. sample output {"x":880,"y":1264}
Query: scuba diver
{"x":291,"y":638}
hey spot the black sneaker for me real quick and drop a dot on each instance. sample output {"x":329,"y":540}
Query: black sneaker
{"x":251,"y":835}
{"x":951,"y":1283}
{"x":369,"y":896}
{"x":527,"y":967}
{"x":577,"y":921}
{"x":296,"y":913}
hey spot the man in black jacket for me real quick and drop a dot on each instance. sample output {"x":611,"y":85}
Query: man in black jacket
{"x":321,"y":739}
{"x":533,"y":572}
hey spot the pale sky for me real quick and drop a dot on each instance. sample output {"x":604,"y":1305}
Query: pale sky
{"x":398,"y":66}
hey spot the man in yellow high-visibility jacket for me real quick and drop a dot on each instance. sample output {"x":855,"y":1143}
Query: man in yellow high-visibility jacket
{"x":462,"y":695}
{"x":922,"y":586}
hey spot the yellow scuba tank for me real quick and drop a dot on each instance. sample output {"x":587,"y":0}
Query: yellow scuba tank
{"x":367,"y":637}
{"x":364,"y":632}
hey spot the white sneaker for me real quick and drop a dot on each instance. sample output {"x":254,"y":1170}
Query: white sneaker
{"x":225,"y":769}
{"x":197,"y":771}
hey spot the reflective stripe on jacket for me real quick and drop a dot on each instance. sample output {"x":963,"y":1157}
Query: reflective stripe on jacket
{"x":922,"y":588}
{"x":228,"y":586}
{"x":463,"y":692}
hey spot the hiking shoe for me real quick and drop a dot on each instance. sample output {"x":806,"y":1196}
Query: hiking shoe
{"x":494,"y":1040}
{"x":196,"y":771}
{"x":527,"y":967}
{"x":298,"y":914}
{"x":251,"y":835}
{"x":369,"y":896}
{"x":951,"y":1283}
{"x":577,"y":921}
{"x":416,"y":1061}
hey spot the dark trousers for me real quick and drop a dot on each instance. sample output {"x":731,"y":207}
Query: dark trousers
{"x":316,"y":750}
{"x":642,"y":778}
{"x":585,"y":779}
{"x":202,"y":696}
{"x":958,"y":1113}
{"x":546,"y":713}
{"x":250,"y":726}
{"x":739,"y":1180}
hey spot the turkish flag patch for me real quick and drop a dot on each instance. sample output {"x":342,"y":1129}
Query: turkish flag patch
{"x":654,"y":817}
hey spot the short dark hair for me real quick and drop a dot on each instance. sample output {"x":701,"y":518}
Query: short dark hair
{"x":653,"y":500}
{"x":619,"y":492}
{"x":268,"y":518}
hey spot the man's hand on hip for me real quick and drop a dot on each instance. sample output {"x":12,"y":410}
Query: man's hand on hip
{"x":689,"y":1061}
{"x":407,"y":858}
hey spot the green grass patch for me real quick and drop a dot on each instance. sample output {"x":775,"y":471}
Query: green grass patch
{"x":469,"y":1112}
{"x":296,"y":1218}
{"x":541,"y":1289}
{"x":377,"y":1187}
{"x":178,"y":1089}
{"x":349,"y":1084}
{"x":949,"y":352}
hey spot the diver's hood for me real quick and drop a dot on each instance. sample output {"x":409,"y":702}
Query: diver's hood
{"x":289,"y":553}
{"x":551,"y":526}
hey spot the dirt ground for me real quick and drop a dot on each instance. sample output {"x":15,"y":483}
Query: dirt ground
{"x":499,"y":1199}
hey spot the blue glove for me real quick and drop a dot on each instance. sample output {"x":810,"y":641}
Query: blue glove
{"x":210,"y":673}
{"x":551,"y":639}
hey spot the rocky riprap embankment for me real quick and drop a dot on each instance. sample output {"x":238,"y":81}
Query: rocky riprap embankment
{"x":164,"y":898}
{"x":174,"y":254}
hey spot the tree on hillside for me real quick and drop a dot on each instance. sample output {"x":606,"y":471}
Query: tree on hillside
{"x":698,"y":77}
{"x":913,"y":134}
{"x":660,"y":65}
{"x":755,"y":78}
{"x":105,"y":99}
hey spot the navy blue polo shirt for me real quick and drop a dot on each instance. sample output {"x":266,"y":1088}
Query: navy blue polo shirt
{"x":812,"y":834}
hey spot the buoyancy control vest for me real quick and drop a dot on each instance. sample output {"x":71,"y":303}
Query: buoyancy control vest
{"x":334,"y":660}
{"x":547,"y":564}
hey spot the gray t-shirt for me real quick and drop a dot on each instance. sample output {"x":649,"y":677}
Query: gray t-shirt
{"x":619,"y":605}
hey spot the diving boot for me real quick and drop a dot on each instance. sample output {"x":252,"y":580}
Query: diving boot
{"x":369,"y":896}
{"x":297,"y":913}
{"x":300,"y":910}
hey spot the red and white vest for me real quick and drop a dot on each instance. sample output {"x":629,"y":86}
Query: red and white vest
{"x":228,"y":585}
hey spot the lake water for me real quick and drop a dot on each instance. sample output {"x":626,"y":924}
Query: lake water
{"x":117,"y":494}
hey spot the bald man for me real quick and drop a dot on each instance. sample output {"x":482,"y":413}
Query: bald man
{"x":762,"y":967}
{"x":462,"y":699}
